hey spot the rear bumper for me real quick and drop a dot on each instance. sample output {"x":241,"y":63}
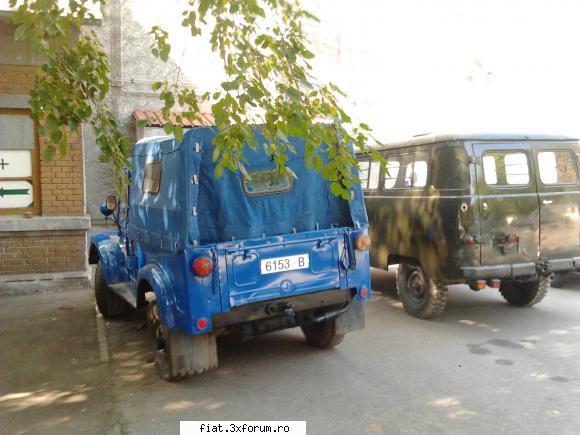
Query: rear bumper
{"x":521,"y":269}
{"x":283,"y":307}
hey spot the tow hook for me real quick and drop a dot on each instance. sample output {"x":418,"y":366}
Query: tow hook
{"x":282,"y":308}
{"x":286,"y":307}
{"x":543,"y":268}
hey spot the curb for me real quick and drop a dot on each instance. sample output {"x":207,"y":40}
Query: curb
{"x":41,"y":285}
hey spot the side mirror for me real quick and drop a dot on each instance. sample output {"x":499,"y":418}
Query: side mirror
{"x":108,"y":207}
{"x":111,"y":202}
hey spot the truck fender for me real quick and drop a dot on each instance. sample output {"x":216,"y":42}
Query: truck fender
{"x":157,"y":280}
{"x":111,"y":256}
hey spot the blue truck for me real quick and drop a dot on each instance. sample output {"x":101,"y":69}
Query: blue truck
{"x":240,"y":254}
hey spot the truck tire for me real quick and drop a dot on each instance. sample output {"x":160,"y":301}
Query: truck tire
{"x":421,"y":296}
{"x":322,"y":334}
{"x":179,"y":355}
{"x":525,"y":294}
{"x":108,"y":302}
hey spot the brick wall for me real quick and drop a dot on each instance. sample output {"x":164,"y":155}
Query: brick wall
{"x":16,"y":79}
{"x":42,"y":252}
{"x":61,"y":182}
{"x":61,"y":194}
{"x":61,"y":179}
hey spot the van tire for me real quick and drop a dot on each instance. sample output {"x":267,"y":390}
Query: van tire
{"x":322,"y":334}
{"x":179,"y":355}
{"x":525,"y":294}
{"x":421,"y":296}
{"x":109,"y":303}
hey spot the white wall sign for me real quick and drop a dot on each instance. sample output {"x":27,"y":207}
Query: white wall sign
{"x":15,"y":194}
{"x":15,"y":164}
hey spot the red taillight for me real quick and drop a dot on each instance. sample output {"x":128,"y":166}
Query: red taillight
{"x":202,"y":266}
{"x":201,"y":323}
{"x":511,"y":238}
{"x":362,"y":242}
{"x":364,"y":292}
{"x":469,"y":240}
{"x":494,"y":283}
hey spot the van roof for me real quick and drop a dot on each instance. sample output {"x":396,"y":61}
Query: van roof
{"x":433,"y":138}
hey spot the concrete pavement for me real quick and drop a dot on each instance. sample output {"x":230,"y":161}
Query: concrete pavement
{"x":52,"y":380}
{"x":483,"y":367}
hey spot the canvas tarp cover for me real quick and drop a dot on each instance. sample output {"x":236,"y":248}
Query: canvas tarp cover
{"x":226,"y":212}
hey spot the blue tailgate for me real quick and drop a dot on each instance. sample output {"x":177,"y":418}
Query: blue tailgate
{"x":282,"y":266}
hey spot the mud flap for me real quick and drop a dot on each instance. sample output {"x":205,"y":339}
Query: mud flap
{"x":352,"y":319}
{"x":192,"y":354}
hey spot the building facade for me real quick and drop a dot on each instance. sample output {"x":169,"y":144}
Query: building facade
{"x":43,"y":220}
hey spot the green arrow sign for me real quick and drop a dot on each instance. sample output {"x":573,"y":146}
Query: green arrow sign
{"x":5,"y":192}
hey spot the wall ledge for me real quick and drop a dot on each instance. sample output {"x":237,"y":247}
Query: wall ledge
{"x":44,"y":223}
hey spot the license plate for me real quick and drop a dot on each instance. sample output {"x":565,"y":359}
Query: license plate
{"x":282,"y":264}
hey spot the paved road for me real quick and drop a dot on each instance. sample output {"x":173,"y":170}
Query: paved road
{"x":483,"y":367}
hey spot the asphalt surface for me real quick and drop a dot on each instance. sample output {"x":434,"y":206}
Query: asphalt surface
{"x":482,"y":367}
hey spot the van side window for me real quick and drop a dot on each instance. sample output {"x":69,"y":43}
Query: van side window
{"x":152,"y":176}
{"x":420,"y":173}
{"x":416,"y":174}
{"x":557,"y":167}
{"x":506,"y":168}
{"x":392,"y":173}
{"x":369,"y":174}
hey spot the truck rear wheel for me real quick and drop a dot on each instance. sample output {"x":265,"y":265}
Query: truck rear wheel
{"x":322,"y":334}
{"x":525,"y":293}
{"x":108,"y":302}
{"x":179,"y":355}
{"x":421,"y":296}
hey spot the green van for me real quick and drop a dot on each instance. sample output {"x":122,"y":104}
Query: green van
{"x":489,"y":210}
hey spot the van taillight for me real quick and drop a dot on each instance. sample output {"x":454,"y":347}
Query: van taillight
{"x":469,"y":240}
{"x":511,"y":238}
{"x":362,"y":242}
{"x":202,"y":266}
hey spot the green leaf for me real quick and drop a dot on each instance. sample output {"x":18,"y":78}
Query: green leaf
{"x":318,"y":163}
{"x":49,"y":153}
{"x":336,"y":189}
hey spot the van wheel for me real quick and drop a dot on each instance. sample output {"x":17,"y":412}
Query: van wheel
{"x":322,"y":334}
{"x":109,"y":303}
{"x":179,"y":355}
{"x":421,"y":296}
{"x":525,"y":294}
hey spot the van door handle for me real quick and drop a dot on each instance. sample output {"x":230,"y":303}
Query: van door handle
{"x":547,"y":201}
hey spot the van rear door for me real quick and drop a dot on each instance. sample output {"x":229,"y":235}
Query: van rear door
{"x":508,"y":203}
{"x":559,"y":197}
